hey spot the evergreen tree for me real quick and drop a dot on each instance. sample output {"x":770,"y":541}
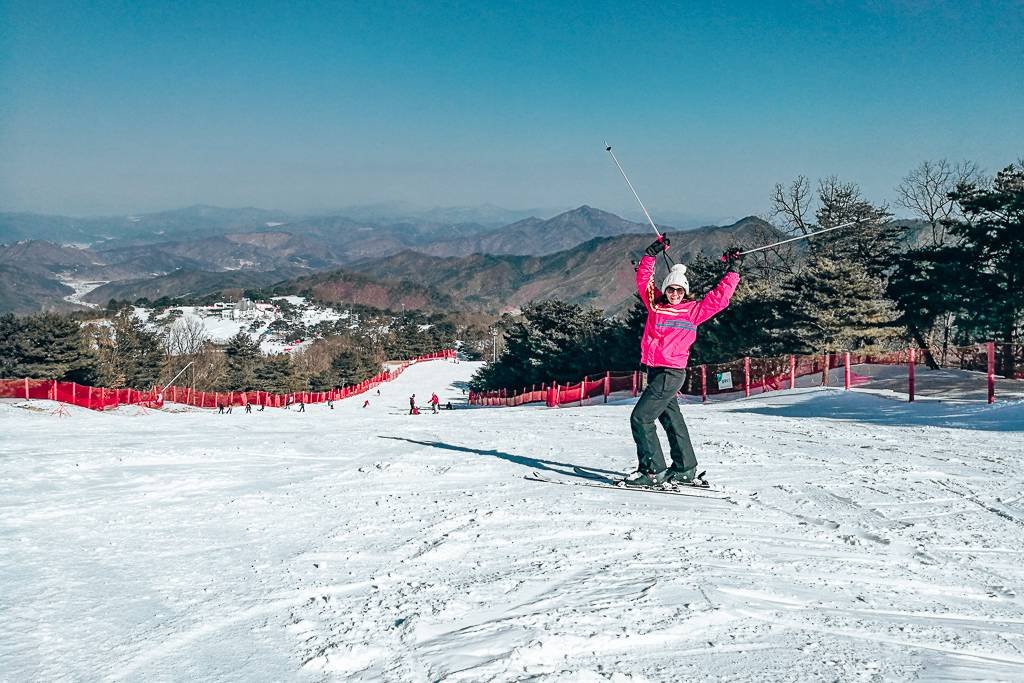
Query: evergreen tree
{"x":987,"y":264}
{"x":352,"y":366}
{"x":44,"y":346}
{"x":924,"y":290}
{"x":243,"y":357}
{"x":834,"y":305}
{"x":275,"y":374}
{"x":553,"y":341}
{"x":10,"y":330}
{"x":130,"y":355}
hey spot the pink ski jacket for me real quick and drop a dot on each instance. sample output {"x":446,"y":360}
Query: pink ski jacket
{"x":671,"y":330}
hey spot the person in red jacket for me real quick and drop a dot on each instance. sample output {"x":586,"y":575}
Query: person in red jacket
{"x":671,"y":329}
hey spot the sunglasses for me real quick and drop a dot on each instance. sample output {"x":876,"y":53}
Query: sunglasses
{"x":675,"y":290}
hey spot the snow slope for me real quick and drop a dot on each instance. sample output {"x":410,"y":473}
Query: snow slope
{"x":885,"y":542}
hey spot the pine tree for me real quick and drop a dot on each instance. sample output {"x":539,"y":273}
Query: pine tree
{"x":988,"y":261}
{"x":130,"y":355}
{"x":275,"y":374}
{"x":551,"y":341}
{"x":243,"y":356}
{"x":10,"y":330}
{"x":352,"y":366}
{"x":45,"y":346}
{"x":834,"y":305}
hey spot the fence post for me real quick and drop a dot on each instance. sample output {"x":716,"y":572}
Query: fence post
{"x":703,"y":384}
{"x":824,"y":372}
{"x":26,"y":387}
{"x":634,"y":384}
{"x":607,"y":384}
{"x":746,"y":375}
{"x":792,"y":372}
{"x":846,"y":374}
{"x":910,"y":374}
{"x":991,"y":349}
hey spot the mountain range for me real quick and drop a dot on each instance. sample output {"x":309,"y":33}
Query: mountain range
{"x":416,"y":263}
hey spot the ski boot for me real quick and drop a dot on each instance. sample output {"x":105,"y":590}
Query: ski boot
{"x":687,"y":477}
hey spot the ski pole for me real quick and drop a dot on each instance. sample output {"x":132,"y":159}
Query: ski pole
{"x":608,"y":148}
{"x":802,"y":237}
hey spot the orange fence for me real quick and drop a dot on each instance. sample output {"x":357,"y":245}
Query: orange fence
{"x":98,"y":398}
{"x":747,"y":375}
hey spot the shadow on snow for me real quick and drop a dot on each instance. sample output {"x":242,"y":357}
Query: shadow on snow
{"x":531,"y":463}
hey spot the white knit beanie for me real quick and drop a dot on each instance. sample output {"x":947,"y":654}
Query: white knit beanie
{"x":677,"y":277}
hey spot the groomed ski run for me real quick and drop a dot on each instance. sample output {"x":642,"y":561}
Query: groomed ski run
{"x":885,"y":542}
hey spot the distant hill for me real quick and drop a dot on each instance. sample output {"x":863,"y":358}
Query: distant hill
{"x":597,"y":272}
{"x":533,"y":236}
{"x":187,"y":283}
{"x":24,"y":292}
{"x":46,"y":258}
{"x":474,"y":266}
{"x":346,"y":287}
{"x":133,"y":229}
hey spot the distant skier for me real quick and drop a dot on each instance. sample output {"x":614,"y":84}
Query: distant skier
{"x":248,"y":407}
{"x":302,"y":406}
{"x":366,"y":403}
{"x":412,"y":405}
{"x":671,"y":329}
{"x":434,"y":402}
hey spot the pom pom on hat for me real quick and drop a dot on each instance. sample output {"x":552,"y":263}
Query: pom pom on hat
{"x":676,"y":277}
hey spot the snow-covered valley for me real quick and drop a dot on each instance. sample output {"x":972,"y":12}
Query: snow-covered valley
{"x":866,"y":539}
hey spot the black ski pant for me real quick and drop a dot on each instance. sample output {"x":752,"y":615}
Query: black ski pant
{"x":658,"y":402}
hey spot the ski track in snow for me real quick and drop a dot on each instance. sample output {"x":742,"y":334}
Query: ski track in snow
{"x":367,"y":544}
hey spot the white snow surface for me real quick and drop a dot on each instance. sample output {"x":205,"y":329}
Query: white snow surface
{"x":884,"y":541}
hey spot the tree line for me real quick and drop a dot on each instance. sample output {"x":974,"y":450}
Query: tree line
{"x":954,"y":276}
{"x":120,"y":350}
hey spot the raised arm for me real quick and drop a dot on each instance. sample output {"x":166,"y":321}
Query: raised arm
{"x":645,"y":271}
{"x":645,"y":280}
{"x":717,"y":300}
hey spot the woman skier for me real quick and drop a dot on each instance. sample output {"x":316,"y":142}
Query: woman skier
{"x":670,"y":331}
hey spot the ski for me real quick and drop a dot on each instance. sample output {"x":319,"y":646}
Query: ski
{"x":597,"y":476}
{"x":606,"y":483}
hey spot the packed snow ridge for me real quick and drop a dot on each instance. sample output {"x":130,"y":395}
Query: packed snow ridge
{"x":864,"y":539}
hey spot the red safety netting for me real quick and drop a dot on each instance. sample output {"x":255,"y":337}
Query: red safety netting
{"x":95,"y":398}
{"x":587,"y":390}
{"x":751,"y":375}
{"x":99,"y":398}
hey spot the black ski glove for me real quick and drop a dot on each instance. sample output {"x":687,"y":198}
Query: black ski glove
{"x":658,"y":246}
{"x":732,"y":259}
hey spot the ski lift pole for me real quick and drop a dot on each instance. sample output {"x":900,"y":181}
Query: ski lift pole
{"x":608,"y":148}
{"x":802,"y":237}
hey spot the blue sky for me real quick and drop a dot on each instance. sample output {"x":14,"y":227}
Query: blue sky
{"x":110,"y":107}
